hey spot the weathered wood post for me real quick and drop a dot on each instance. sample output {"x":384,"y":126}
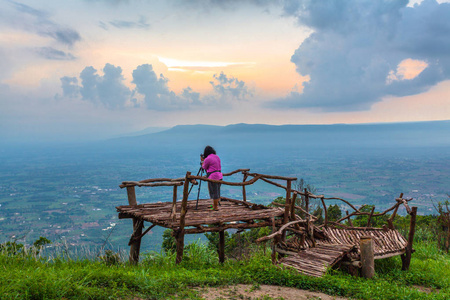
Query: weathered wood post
{"x":367,"y":258}
{"x":309,"y":228}
{"x":174,"y":203}
{"x":274,"y":242}
{"x":325,"y":211}
{"x":390,"y":221}
{"x":135,"y":245}
{"x":406,"y":258}
{"x":287,"y":207}
{"x":349,"y":219}
{"x":222,"y":246}
{"x":370,"y":216}
{"x":244,"y":193}
{"x":292,"y":207}
{"x":180,"y":233}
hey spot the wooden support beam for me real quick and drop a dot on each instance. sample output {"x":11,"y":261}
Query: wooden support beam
{"x":286,"y":207}
{"x":406,"y":258}
{"x":370,"y":217}
{"x":349,"y":219}
{"x":244,"y":194}
{"x":390,"y":221}
{"x":309,"y":224}
{"x":292,"y":216}
{"x":221,"y":246}
{"x":240,"y":226}
{"x":279,"y":232}
{"x":274,"y":242}
{"x":354,"y":263}
{"x":325,"y":211}
{"x":180,"y":232}
{"x":367,"y":258}
{"x":135,"y":246}
{"x":138,"y":237}
{"x":174,"y":204}
{"x":131,"y":193}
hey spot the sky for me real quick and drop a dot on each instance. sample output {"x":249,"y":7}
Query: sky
{"x":80,"y":70}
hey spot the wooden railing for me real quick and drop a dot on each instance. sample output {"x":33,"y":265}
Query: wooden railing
{"x":290,"y":220}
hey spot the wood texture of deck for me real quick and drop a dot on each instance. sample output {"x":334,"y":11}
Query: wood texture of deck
{"x":315,"y":261}
{"x":229,"y":211}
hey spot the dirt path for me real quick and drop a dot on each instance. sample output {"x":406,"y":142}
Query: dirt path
{"x":263,"y":292}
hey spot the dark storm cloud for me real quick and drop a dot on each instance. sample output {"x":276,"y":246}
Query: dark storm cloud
{"x":37,"y":21}
{"x":54,"y":54}
{"x":357,"y":43}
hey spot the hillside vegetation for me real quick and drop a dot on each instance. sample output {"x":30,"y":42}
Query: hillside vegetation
{"x":27,"y":274}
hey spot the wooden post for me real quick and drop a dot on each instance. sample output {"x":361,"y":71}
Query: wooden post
{"x":131,"y":193}
{"x":406,"y":258}
{"x":180,"y":233}
{"x":308,"y":218}
{"x":274,"y":242}
{"x":174,"y":203}
{"x":370,"y":217}
{"x":244,"y":193}
{"x":391,"y":219}
{"x":286,"y":207}
{"x":367,"y":258}
{"x":349,"y":219}
{"x":137,"y":228}
{"x":292,"y":208}
{"x":222,"y":246}
{"x":325,"y":211}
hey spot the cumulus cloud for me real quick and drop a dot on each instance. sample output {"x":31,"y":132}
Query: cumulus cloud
{"x":230,"y":87}
{"x":151,"y":91}
{"x":157,"y":94}
{"x":357,"y":52}
{"x":36,"y":21}
{"x":70,"y":86}
{"x":109,"y":89}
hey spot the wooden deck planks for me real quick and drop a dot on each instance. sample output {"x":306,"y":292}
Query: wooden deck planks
{"x":384,"y":242}
{"x":315,"y":261}
{"x":229,"y":211}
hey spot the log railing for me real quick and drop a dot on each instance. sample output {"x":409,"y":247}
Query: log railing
{"x":290,"y":221}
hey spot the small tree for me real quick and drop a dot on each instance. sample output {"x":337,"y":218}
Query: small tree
{"x":334,"y":213}
{"x":443,"y":222}
{"x":169,"y":244}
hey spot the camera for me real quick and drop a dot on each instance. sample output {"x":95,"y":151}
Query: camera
{"x":201,"y":155}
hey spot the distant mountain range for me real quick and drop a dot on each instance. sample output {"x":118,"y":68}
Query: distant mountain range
{"x":411,"y":134}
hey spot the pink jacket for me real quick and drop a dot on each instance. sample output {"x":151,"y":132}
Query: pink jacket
{"x":212,"y":165}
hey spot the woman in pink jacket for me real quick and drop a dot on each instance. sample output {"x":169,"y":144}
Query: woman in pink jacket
{"x":211,"y":163}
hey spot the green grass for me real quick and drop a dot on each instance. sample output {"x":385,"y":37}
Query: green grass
{"x":157,"y":277}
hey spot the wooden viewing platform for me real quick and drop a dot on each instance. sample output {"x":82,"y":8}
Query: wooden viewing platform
{"x":301,"y":243}
{"x":231,"y":214}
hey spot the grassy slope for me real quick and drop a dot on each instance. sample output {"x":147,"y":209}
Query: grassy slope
{"x":157,"y":277}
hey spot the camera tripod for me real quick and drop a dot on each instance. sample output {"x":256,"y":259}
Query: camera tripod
{"x":199,"y":173}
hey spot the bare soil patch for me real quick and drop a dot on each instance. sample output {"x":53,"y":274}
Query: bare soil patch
{"x":263,"y":292}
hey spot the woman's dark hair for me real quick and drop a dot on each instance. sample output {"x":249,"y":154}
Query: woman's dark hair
{"x":208,"y":150}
